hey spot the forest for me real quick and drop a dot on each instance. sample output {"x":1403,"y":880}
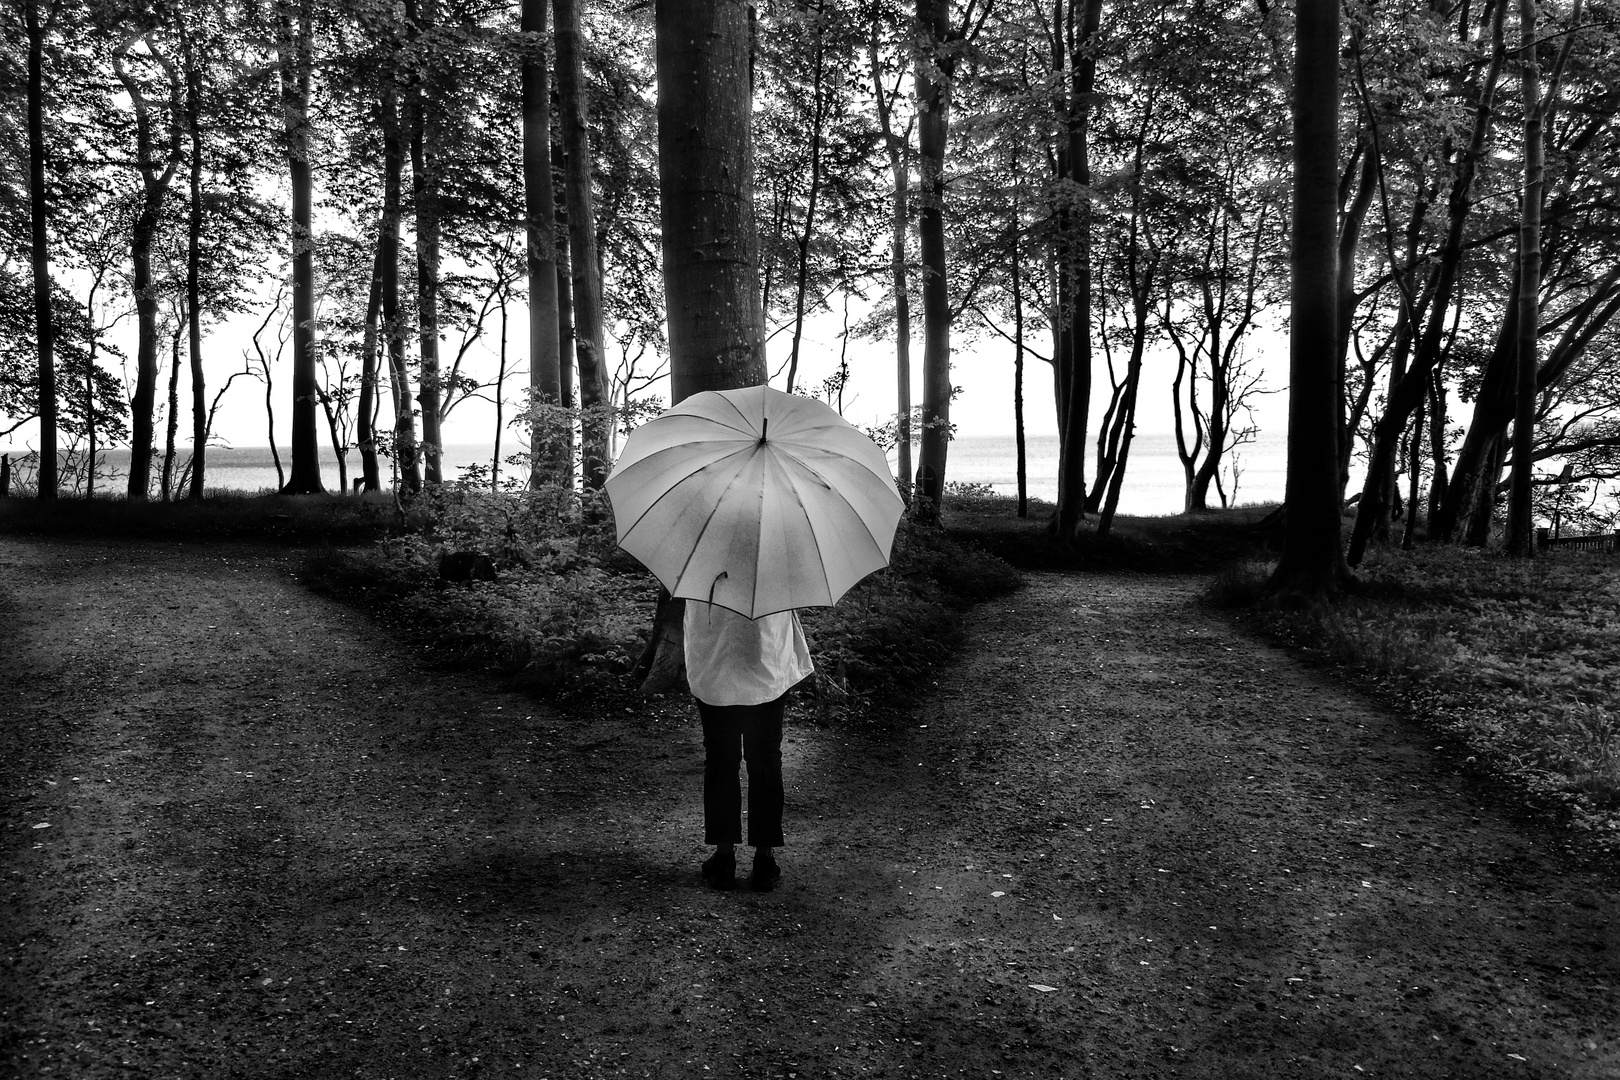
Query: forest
{"x":399,"y":777}
{"x":1096,"y":188}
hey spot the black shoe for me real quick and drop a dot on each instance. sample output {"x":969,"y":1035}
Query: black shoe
{"x":720,"y":870}
{"x":765,"y":873}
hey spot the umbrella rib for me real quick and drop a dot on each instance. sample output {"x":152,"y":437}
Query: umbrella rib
{"x":807,"y":467}
{"x":698,"y":542}
{"x":670,"y":490}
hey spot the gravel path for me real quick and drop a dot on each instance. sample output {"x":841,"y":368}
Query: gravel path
{"x":248,"y":834}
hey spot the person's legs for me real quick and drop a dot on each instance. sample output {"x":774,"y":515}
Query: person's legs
{"x":722,"y":757}
{"x":762,"y":748}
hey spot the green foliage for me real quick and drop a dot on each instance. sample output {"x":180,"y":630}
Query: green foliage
{"x":1516,"y":661}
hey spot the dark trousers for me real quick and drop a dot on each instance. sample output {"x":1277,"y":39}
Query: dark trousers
{"x":731,"y":735}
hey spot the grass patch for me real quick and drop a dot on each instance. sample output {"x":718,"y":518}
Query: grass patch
{"x":264,"y":517}
{"x":1516,"y":662}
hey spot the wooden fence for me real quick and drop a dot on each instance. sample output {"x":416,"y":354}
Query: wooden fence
{"x":1606,"y":542}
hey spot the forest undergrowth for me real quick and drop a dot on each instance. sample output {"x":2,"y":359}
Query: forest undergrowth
{"x":561,"y":610}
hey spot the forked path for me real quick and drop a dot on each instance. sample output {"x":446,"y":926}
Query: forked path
{"x":247,"y":833}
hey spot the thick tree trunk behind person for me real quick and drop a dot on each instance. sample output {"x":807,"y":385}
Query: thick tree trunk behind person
{"x":715,"y":313}
{"x":548,"y":461}
{"x":706,"y":197}
{"x":297,"y":61}
{"x":1521,"y":533}
{"x":933,"y":120}
{"x":1312,"y":563}
{"x":582,"y":246}
{"x":425,"y":125}
{"x":39,"y":211}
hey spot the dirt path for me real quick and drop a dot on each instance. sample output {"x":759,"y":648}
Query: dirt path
{"x":1116,"y":840}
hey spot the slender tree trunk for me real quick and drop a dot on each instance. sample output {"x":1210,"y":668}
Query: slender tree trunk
{"x":143,"y":235}
{"x":194,"y":232}
{"x":172,"y":420}
{"x":547,"y":463}
{"x":1073,"y":359}
{"x":405,"y":448}
{"x":931,"y":78}
{"x":39,"y":213}
{"x":500,"y":400}
{"x":898,"y":147}
{"x":802,"y":284}
{"x":424,"y":123}
{"x":568,"y":396}
{"x":594,"y":397}
{"x":1018,"y":353}
{"x":297,"y":60}
{"x":1312,"y":563}
{"x":366,"y":429}
{"x":1521,"y":531}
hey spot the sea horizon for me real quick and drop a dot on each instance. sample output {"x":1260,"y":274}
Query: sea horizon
{"x":1154,"y":480}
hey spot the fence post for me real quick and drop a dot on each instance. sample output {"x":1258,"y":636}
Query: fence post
{"x":1617,"y":541}
{"x":1541,"y":536}
{"x":5,"y":475}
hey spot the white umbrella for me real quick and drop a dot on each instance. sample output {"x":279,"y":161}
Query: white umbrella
{"x":754,"y":500}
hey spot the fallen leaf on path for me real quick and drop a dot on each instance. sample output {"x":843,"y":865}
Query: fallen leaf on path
{"x":1043,"y":988}
{"x":43,"y":825}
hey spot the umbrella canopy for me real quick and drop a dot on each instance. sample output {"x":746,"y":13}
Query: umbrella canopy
{"x":755,"y":500}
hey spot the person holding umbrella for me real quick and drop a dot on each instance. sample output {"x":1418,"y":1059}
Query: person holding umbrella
{"x":749,"y":504}
{"x":740,"y":671}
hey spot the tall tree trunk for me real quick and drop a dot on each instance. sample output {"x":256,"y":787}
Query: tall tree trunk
{"x":812,"y":197}
{"x":406,"y":453}
{"x":194,"y":232}
{"x":1521,"y":533}
{"x":172,"y":419}
{"x":931,"y":78}
{"x":547,"y":463}
{"x":297,"y":61}
{"x":1312,"y":563}
{"x":1018,"y":350}
{"x":425,"y":124}
{"x":1072,"y":361}
{"x":39,"y":213}
{"x":714,"y":309}
{"x":366,"y":429}
{"x":143,"y":235}
{"x":594,"y":398}
{"x":706,"y":179}
{"x":568,"y":395}
{"x":898,"y":147}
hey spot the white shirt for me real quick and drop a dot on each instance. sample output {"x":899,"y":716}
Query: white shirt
{"x":733,"y":660}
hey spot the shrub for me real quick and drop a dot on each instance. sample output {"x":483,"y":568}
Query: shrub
{"x":569,"y":609}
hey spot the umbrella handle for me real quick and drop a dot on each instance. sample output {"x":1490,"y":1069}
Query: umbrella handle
{"x":715,"y":584}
